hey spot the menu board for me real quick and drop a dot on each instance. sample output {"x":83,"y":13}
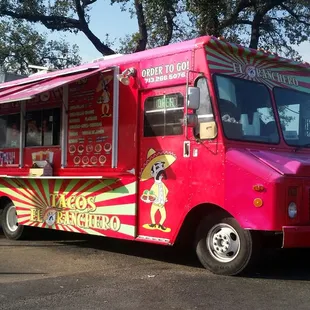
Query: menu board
{"x":90,"y":121}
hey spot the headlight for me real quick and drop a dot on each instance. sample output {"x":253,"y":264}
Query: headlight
{"x":292,"y":210}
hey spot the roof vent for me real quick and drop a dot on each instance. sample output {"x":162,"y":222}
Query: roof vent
{"x":41,"y":69}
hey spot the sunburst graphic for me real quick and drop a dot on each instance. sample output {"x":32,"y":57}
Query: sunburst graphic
{"x":227,"y":58}
{"x":98,"y":207}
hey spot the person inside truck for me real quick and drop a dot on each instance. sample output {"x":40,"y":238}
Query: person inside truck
{"x":33,"y":136}
{"x":14,"y":137}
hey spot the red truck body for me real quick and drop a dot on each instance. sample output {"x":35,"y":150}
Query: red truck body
{"x":118,"y":148}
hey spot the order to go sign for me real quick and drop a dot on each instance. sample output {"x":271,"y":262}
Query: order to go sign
{"x":165,"y":72}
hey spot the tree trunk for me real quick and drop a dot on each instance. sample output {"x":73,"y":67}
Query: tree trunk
{"x":169,"y":28}
{"x":255,"y":34}
{"x":142,"y":27}
{"x":102,"y":48}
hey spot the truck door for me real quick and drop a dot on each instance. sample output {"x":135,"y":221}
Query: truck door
{"x":164,"y":162}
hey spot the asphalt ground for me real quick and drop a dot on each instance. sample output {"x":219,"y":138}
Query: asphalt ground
{"x":57,"y":270}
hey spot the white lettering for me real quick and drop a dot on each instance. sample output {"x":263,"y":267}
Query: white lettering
{"x":268,"y":75}
{"x":237,"y":68}
{"x":166,"y":72}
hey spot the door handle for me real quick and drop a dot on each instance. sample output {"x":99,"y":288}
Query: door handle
{"x":186,"y":149}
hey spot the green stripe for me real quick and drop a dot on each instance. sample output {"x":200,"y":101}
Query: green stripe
{"x":35,"y":186}
{"x":71,"y":184}
{"x":212,"y":58}
{"x":57,"y":185}
{"x":102,"y":185}
{"x":45,"y":184}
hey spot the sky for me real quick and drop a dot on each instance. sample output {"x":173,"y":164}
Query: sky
{"x":105,"y":18}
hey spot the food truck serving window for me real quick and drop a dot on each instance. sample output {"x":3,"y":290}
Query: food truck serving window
{"x":9,"y":130}
{"x":163,"y":115}
{"x":43,"y":127}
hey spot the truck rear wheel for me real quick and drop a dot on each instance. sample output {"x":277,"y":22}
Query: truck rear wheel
{"x":223,"y":247}
{"x":9,"y":224}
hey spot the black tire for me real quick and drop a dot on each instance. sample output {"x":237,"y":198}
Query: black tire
{"x":209,"y":245}
{"x":12,"y":234}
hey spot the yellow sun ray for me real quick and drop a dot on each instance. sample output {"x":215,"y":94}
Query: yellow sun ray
{"x":124,"y":209}
{"x":123,"y":191}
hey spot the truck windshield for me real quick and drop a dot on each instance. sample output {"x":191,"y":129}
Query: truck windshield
{"x":294,"y":112}
{"x":246,"y":110}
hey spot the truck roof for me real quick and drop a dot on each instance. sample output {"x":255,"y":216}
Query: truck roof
{"x":113,"y":61}
{"x":151,"y":53}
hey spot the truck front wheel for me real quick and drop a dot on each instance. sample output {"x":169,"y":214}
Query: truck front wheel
{"x":223,"y":247}
{"x":9,"y":224}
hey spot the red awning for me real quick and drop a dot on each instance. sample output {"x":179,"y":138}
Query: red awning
{"x":27,"y":92}
{"x":47,"y":76}
{"x":14,"y":89}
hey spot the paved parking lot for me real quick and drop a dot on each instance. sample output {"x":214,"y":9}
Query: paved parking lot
{"x":60,"y":271}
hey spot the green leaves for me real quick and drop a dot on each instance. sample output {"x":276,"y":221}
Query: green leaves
{"x":21,"y":45}
{"x":270,"y":24}
{"x":59,"y":15}
{"x":164,"y":21}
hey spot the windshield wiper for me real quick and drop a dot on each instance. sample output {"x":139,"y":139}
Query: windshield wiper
{"x":301,"y":146}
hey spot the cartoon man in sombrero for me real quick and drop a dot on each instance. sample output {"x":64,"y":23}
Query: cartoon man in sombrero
{"x":104,"y":99}
{"x":155,"y":166}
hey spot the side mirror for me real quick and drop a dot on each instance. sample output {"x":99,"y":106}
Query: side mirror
{"x":207,"y":130}
{"x":193,"y":98}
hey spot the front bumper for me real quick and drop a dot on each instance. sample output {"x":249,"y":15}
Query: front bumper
{"x":296,"y":237}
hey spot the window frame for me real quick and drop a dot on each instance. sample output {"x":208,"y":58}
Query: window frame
{"x":20,"y":129}
{"x":42,"y":136}
{"x":276,"y":108}
{"x":196,"y":134}
{"x":180,"y":96}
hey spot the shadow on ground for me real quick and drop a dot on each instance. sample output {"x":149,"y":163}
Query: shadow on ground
{"x":292,"y":264}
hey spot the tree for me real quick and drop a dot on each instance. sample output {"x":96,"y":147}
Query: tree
{"x":270,"y":24}
{"x":21,"y":45}
{"x":160,"y":22}
{"x":58,"y":15}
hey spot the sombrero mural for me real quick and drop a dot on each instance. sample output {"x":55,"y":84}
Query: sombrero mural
{"x":103,"y":81}
{"x":168,"y":158}
{"x":155,"y":167}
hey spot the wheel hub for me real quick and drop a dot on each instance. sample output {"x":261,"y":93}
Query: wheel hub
{"x":11,"y":219}
{"x":223,"y":242}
